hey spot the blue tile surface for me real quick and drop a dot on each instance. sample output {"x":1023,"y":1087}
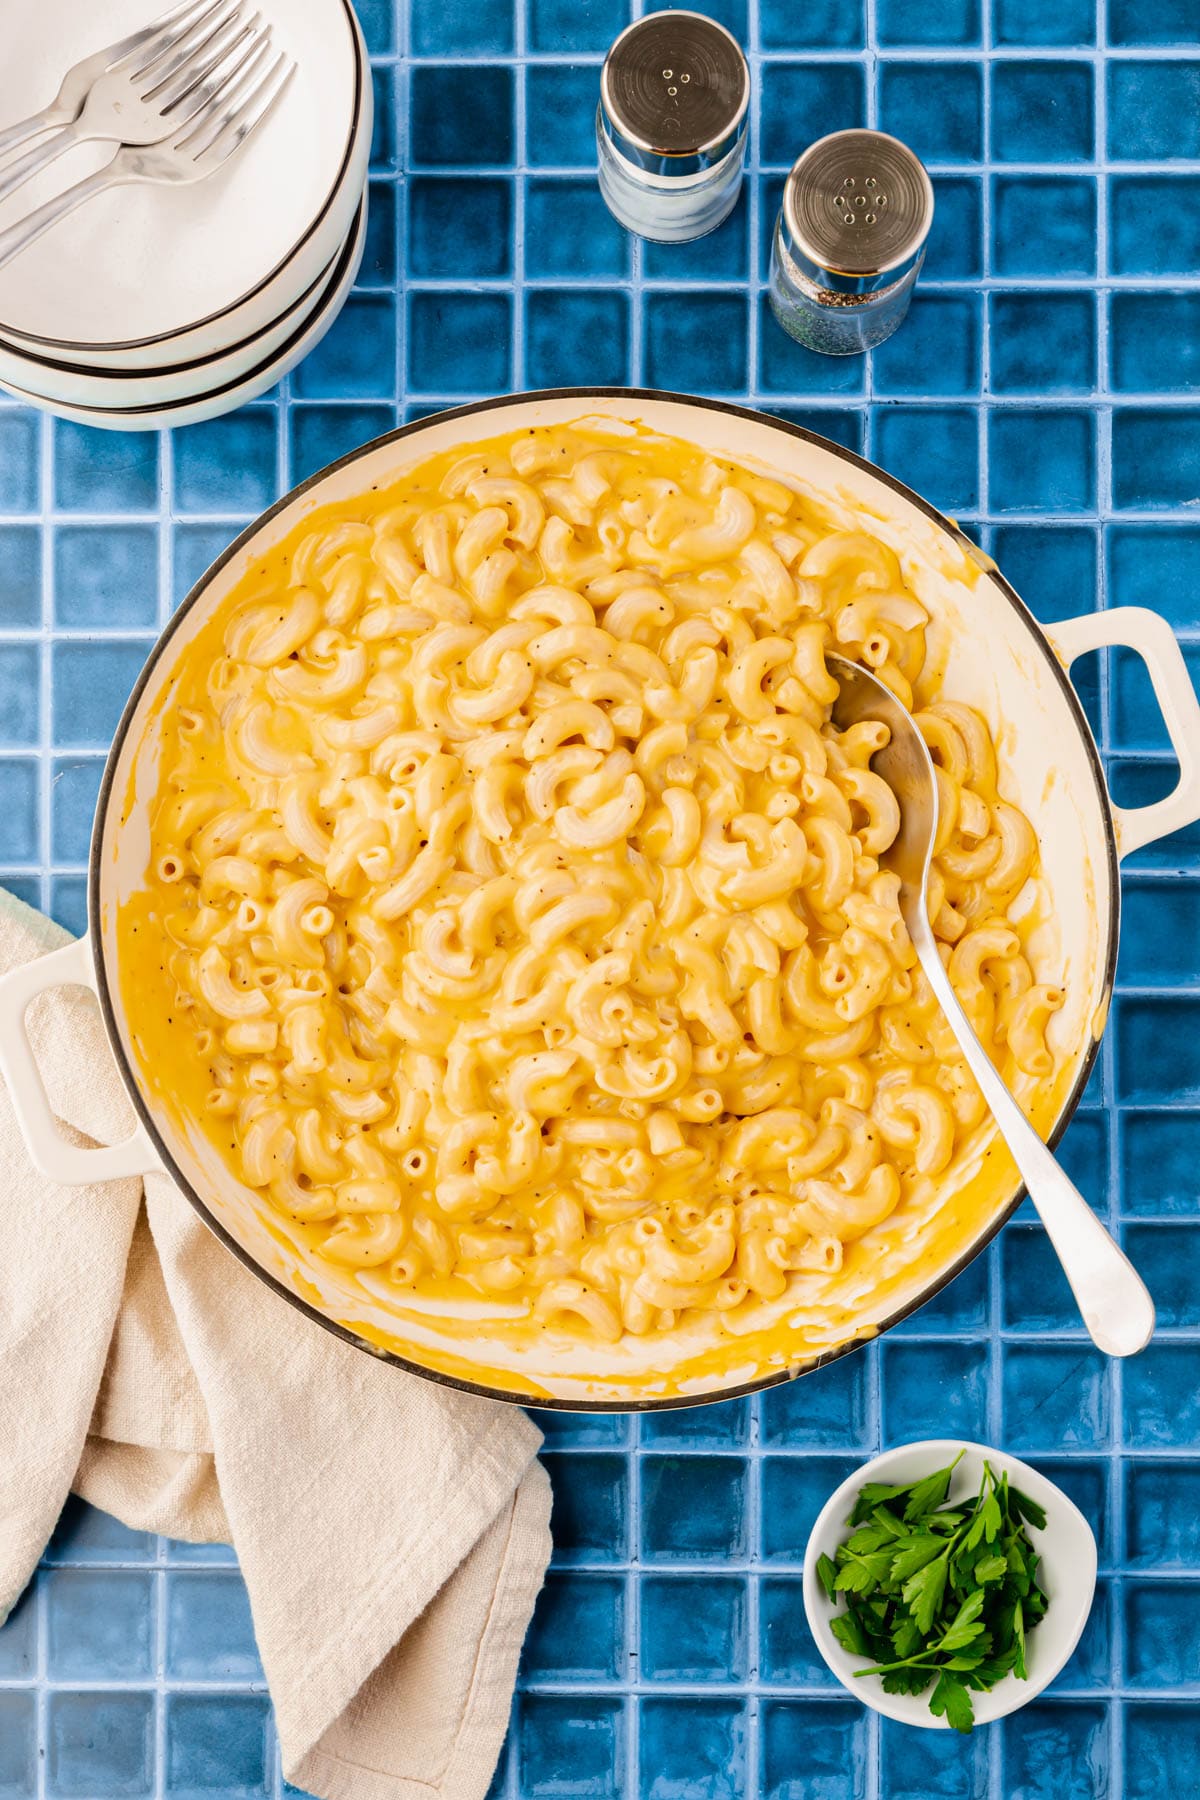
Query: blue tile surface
{"x":1045,"y":388}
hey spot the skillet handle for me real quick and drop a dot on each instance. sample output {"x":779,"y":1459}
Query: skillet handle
{"x":1147,"y":632}
{"x":71,"y":1165}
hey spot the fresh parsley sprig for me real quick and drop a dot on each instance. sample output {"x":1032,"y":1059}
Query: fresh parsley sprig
{"x":938,"y":1594}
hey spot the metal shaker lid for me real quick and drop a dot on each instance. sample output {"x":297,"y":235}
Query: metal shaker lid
{"x":674,"y":93}
{"x":857,"y":207}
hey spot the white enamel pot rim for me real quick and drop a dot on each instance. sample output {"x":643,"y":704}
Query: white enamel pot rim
{"x":1122,"y":830}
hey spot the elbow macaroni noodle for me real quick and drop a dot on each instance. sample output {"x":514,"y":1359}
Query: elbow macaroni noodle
{"x":524,"y":910}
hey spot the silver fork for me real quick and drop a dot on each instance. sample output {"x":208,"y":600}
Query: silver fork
{"x":229,"y":105}
{"x":146,"y":44}
{"x":132,"y":102}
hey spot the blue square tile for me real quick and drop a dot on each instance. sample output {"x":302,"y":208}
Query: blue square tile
{"x":1034,"y":24}
{"x":1043,"y":112}
{"x":732,"y":14}
{"x":1158,"y":1049}
{"x":693,"y":1628}
{"x":445,"y":133}
{"x":770,"y":200}
{"x":1168,"y":22}
{"x":18,"y":810}
{"x":578,"y":1630}
{"x":841,"y":425}
{"x":570,"y":1747}
{"x":1162,"y":1750}
{"x":1044,"y":225}
{"x":1056,"y":1396}
{"x":90,"y":683}
{"x":933,"y":1765}
{"x":1168,"y":1259}
{"x":1057,"y":1751}
{"x":787,"y":1655}
{"x":1154,"y":343}
{"x":461,"y":27}
{"x":726,"y":1422}
{"x":1085,"y":1481}
{"x":826,"y":96}
{"x":1160,"y":1153}
{"x":20,"y":577}
{"x":1089,"y":1665}
{"x":68,"y":903}
{"x":19,"y":708}
{"x":19,"y":462}
{"x":100,"y":1746}
{"x":693,"y":1747}
{"x":114,"y":473}
{"x":1162,"y":1515}
{"x":718,"y":256}
{"x":590,"y":1519}
{"x":955,"y":22}
{"x":99,"y":1621}
{"x":786,"y":367}
{"x":823,"y":25}
{"x":321,"y":434}
{"x":962,"y":1305}
{"x":934,"y":1390}
{"x":1033,"y":1288}
{"x":210,"y":1634}
{"x":1041,"y":461}
{"x":1156,"y":457}
{"x":228,"y":465}
{"x":217,"y":1747}
{"x":694,"y":1508}
{"x":378,"y":20}
{"x":215,"y":1555}
{"x":459,"y":226}
{"x":696,"y":343}
{"x":1054,"y":568}
{"x":1162,"y":1635}
{"x":84,"y":1534}
{"x":828,"y":1409}
{"x":576,"y":338}
{"x":934,"y":449}
{"x":794,"y":1489}
{"x":955,"y":248}
{"x":1154,"y":110}
{"x":1083,"y":1153}
{"x":1043,"y":343}
{"x":563,"y":26}
{"x":25,"y":888}
{"x":459,"y":343}
{"x":196,"y":548}
{"x":18,"y":1746}
{"x":106,"y":575}
{"x":379,"y":252}
{"x":1159,"y":908}
{"x":18,"y":1645}
{"x":385,"y":149}
{"x":936,"y":108}
{"x":357,"y":358}
{"x":560,"y":115}
{"x":1154,"y":224}
{"x":935,"y":351}
{"x":586,"y":1429}
{"x":813,"y":1750}
{"x":1162,"y":1399}
{"x":1138,"y":781}
{"x":570,"y":231}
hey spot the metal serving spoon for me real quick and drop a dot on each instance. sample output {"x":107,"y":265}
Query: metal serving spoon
{"x":1112,"y":1297}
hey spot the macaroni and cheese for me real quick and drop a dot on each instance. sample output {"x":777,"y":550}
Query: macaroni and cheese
{"x":523,"y":910}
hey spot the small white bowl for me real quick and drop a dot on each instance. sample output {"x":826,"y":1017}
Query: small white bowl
{"x":1067,"y":1572}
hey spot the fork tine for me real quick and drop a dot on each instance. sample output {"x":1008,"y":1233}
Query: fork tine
{"x":199,"y":66}
{"x":239,"y":60}
{"x":179,"y":56}
{"x":160,"y":34}
{"x":234,"y":126}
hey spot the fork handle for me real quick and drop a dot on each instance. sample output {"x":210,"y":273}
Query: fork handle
{"x":26,"y":231}
{"x":1116,"y":1307}
{"x":48,"y":119}
{"x":28,"y":165}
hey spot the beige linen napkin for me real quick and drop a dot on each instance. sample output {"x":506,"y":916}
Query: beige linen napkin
{"x":393,"y":1534}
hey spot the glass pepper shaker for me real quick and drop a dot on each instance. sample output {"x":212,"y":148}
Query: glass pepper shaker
{"x":850,"y":241}
{"x":671,"y":126}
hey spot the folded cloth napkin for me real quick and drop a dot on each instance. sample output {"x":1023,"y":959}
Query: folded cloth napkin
{"x":393,"y":1534}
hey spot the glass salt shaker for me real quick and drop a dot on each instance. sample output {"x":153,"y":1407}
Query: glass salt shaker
{"x":671,"y":126}
{"x":850,"y":241}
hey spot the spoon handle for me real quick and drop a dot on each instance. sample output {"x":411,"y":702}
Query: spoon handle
{"x":1116,"y":1306}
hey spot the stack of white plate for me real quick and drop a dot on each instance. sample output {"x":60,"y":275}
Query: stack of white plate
{"x":154,"y":306}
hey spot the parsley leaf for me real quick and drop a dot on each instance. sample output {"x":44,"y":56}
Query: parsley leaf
{"x":951,"y":1701}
